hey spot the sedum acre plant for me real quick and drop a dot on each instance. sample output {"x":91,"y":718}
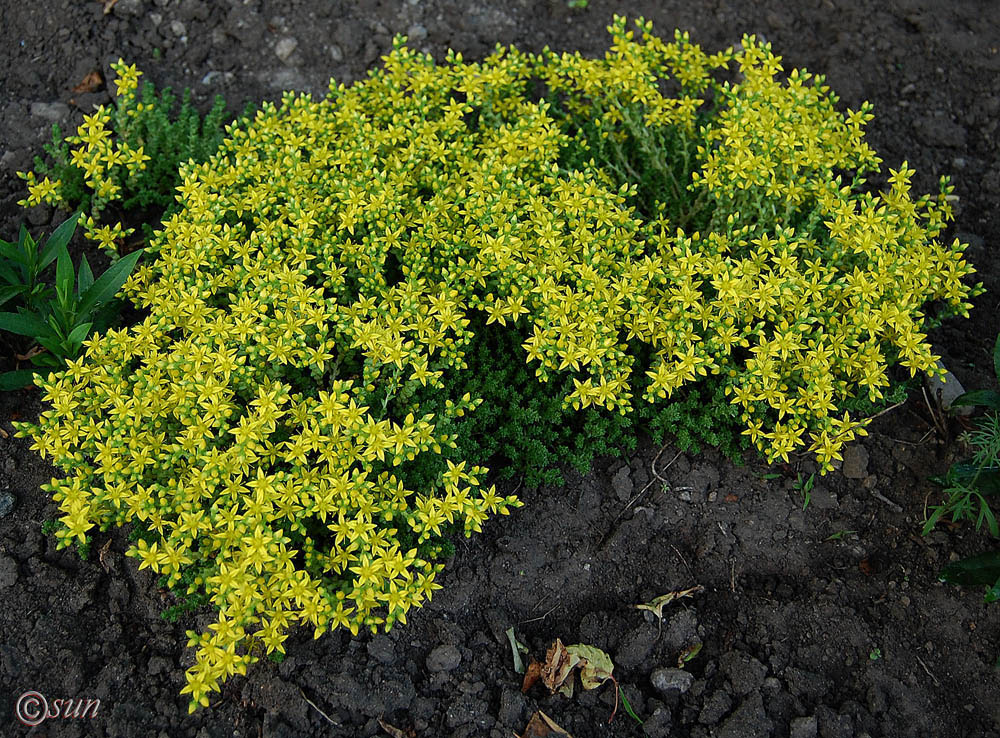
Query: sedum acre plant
{"x":124,"y":158}
{"x":642,"y":224}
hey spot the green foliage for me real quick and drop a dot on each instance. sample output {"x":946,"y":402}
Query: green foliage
{"x":128,"y":157}
{"x":971,"y":489}
{"x":59,"y":318}
{"x":970,"y":486}
{"x":976,"y":571}
{"x":522,"y":426}
{"x":346,"y":278}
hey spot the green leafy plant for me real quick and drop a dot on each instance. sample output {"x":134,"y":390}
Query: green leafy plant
{"x":321,"y":307}
{"x":805,"y":487}
{"x":971,"y":486}
{"x":127,"y":158}
{"x":57,"y":318}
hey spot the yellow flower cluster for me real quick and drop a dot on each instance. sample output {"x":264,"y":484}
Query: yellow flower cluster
{"x":106,"y":163}
{"x":370,"y":223}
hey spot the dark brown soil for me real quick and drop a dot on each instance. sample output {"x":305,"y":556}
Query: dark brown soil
{"x":803,"y":634}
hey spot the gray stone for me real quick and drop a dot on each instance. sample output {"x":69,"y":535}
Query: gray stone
{"x":803,"y":727}
{"x":217,"y":76}
{"x":285,"y":48}
{"x":749,"y":721}
{"x":669,"y":682}
{"x":6,"y":503}
{"x":949,"y":388}
{"x":744,"y":671}
{"x":658,"y":724}
{"x":416,"y":32}
{"x":443,"y":658}
{"x":129,"y":8}
{"x":178,"y":29}
{"x":52,"y":112}
{"x":8,"y":572}
{"x":855,"y":461}
{"x":336,"y":53}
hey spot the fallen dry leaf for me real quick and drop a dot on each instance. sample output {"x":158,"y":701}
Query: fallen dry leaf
{"x":866,"y":567}
{"x":541,"y":725}
{"x":91,"y":83}
{"x":595,"y":665}
{"x":108,"y":5}
{"x":657,"y":605}
{"x":732,"y":498}
{"x":104,"y":556}
{"x":687,"y":654}
{"x":557,"y":671}
{"x":531,"y":675}
{"x":394,"y":731}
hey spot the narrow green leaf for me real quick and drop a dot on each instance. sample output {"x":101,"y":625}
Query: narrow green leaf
{"x":53,"y":345}
{"x":16,"y":380}
{"x":996,"y":358}
{"x":983,"y":570}
{"x":78,"y":334}
{"x":8,"y":293}
{"x":23,"y":325}
{"x":64,"y":277}
{"x":978,"y":398}
{"x":85,"y":278}
{"x":58,"y":240}
{"x":108,"y":284}
{"x":10,"y":252}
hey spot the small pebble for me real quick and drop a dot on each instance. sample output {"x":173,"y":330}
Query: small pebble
{"x":6,"y":503}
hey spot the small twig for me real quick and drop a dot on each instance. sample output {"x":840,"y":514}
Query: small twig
{"x":938,"y":423}
{"x":879,"y":496}
{"x":313,"y":705}
{"x":656,"y":474}
{"x":541,"y":617}
{"x":683,"y":560}
{"x":936,"y":682}
{"x":923,"y":439}
{"x":876,"y":415}
{"x":732,"y":576}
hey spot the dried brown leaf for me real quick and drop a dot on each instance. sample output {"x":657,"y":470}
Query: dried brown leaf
{"x":557,"y":671}
{"x":531,"y":675}
{"x":541,"y":726}
{"x":91,"y":83}
{"x":394,"y":731}
{"x":595,"y":665}
{"x":657,"y":605}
